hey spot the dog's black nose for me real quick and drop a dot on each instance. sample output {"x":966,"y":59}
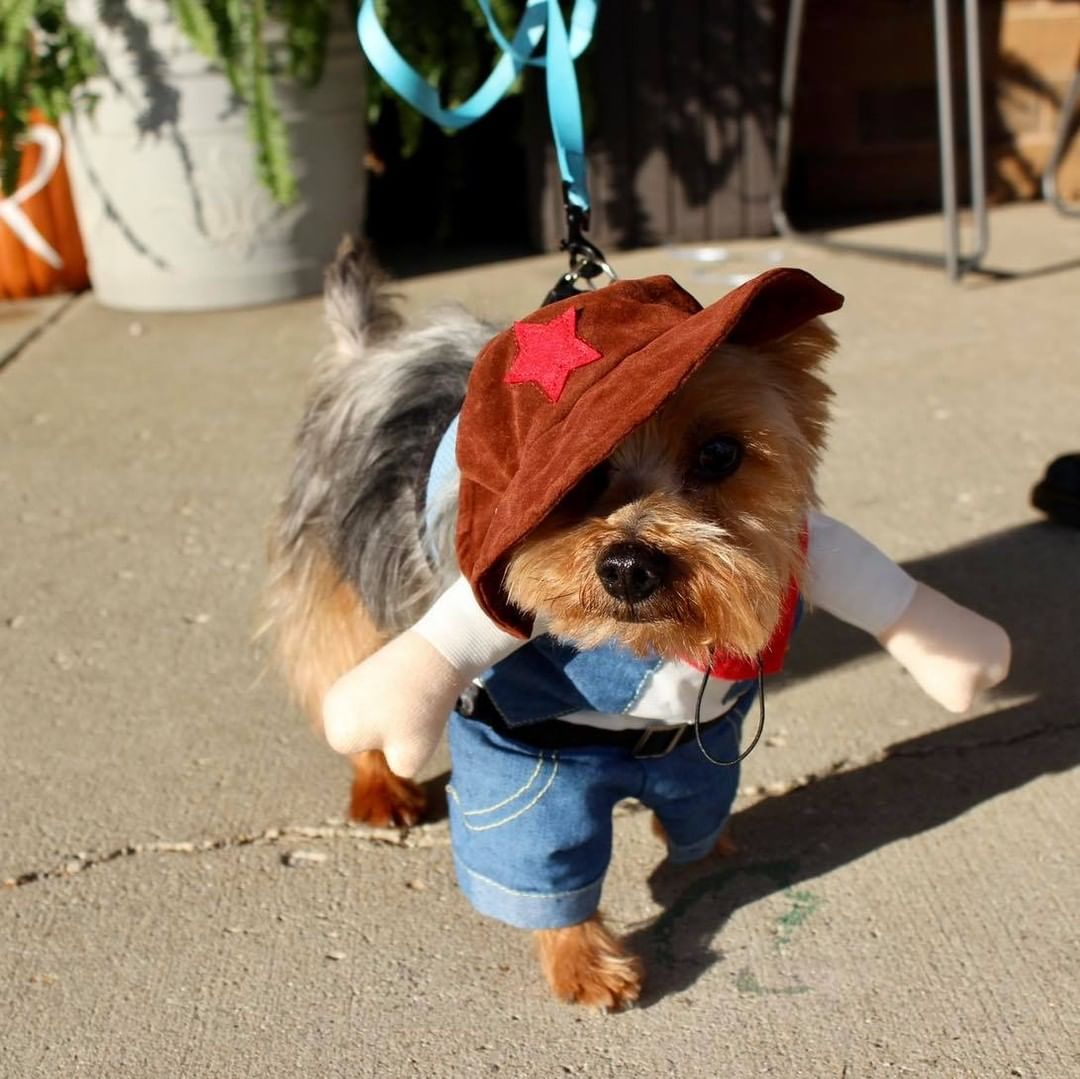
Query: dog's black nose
{"x":631,"y":571}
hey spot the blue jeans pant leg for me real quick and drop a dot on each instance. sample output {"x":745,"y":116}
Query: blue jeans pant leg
{"x":531,"y":829}
{"x":692,"y":797}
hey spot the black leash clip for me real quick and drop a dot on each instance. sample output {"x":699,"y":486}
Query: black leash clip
{"x":587,"y":261}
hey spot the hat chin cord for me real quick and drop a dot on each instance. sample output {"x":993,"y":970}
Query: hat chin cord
{"x":761,"y":716}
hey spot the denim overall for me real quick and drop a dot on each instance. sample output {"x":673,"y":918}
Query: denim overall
{"x":531,"y":829}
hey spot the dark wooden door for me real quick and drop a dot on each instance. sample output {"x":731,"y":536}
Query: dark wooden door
{"x":680,"y":106}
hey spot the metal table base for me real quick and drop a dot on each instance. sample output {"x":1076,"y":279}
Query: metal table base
{"x":1050,"y":190}
{"x":954,"y":259}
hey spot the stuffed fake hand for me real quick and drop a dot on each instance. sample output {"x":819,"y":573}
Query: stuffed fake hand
{"x":398,"y":700}
{"x":951,"y":651}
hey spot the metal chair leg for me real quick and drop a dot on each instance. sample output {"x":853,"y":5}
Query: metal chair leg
{"x":956,"y":263}
{"x":789,"y":70}
{"x":946,"y":138}
{"x":976,"y":133}
{"x":1050,"y":190}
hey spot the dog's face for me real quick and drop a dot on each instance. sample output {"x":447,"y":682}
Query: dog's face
{"x":688,"y":536}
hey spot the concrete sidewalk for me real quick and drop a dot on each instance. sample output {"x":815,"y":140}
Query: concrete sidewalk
{"x":907,"y":894}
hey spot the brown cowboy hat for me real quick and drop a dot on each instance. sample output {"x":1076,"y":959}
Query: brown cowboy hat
{"x":552,"y":396}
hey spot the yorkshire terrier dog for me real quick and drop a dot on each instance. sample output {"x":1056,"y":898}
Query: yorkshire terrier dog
{"x":697,"y":532}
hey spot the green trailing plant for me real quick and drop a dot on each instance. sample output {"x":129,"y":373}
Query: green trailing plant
{"x":46,"y":60}
{"x":448,"y":41}
{"x":239,"y":35}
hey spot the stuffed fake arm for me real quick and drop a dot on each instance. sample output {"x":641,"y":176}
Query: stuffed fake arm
{"x":398,"y":699}
{"x":950,"y":651}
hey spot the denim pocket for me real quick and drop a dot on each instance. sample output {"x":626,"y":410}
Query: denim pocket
{"x":501,"y":787}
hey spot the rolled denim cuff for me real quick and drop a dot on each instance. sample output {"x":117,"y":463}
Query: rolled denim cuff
{"x":694,"y":852}
{"x":528,"y":910}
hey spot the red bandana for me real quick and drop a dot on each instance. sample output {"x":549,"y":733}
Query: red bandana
{"x":734,"y":668}
{"x":738,"y":668}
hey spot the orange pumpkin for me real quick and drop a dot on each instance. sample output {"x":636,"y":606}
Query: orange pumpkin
{"x":40,"y":247}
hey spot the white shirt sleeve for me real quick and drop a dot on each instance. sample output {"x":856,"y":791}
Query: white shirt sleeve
{"x":850,"y":578}
{"x":459,"y":629}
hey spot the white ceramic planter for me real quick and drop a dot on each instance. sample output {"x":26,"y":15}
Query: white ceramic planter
{"x":172,"y":213}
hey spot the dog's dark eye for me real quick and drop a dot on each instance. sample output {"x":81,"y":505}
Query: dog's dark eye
{"x":589,"y":488}
{"x":717,"y":457}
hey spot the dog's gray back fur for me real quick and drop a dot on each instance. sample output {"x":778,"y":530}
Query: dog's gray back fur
{"x":381,"y":402}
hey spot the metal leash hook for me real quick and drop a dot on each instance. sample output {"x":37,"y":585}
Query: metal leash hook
{"x":587,"y":261}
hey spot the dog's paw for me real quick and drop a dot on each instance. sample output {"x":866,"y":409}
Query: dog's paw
{"x":659,"y":830}
{"x":382,"y":799}
{"x":611,"y":984}
{"x":725,"y":846}
{"x":586,"y":964}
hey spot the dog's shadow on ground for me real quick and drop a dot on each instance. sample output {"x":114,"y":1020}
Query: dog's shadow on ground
{"x":1027,"y":578}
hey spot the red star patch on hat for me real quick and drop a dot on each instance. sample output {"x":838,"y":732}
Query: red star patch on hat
{"x":548,"y":352}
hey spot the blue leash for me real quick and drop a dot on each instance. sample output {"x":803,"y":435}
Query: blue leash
{"x":563,"y":47}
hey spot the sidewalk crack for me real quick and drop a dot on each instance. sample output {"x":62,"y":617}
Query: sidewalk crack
{"x":425,"y":835}
{"x":437,"y":834}
{"x":14,"y":351}
{"x":850,"y":764}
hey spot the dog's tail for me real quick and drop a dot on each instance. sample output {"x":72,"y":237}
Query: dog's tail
{"x":360,"y":309}
{"x":350,"y":551}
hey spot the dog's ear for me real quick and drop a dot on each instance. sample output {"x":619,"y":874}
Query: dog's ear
{"x":806,"y":348}
{"x":794,"y":363}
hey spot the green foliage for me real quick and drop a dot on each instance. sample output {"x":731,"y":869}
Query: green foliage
{"x":307,"y":24}
{"x":449,"y":43}
{"x":254,"y":41}
{"x":44,"y":61}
